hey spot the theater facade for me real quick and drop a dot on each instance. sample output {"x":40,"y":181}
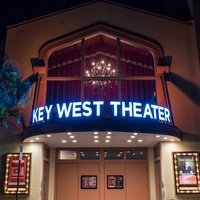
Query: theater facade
{"x":114,"y":111}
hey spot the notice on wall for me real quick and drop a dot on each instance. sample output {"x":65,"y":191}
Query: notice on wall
{"x":88,"y":182}
{"x":115,"y":182}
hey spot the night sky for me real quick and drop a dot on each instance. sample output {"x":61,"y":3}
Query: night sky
{"x":15,"y":11}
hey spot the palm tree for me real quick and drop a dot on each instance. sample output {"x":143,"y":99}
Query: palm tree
{"x":14,"y":92}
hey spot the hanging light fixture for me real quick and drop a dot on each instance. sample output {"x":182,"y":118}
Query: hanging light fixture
{"x":100,"y":69}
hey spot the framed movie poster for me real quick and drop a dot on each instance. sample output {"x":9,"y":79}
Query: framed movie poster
{"x":88,"y":182}
{"x":186,"y":168}
{"x":115,"y":182}
{"x":17,"y":177}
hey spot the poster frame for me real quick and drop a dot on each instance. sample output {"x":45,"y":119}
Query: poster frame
{"x":115,"y":182}
{"x":186,"y":179}
{"x":11,"y":181}
{"x":88,"y":182}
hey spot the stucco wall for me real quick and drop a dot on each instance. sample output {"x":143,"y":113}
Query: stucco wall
{"x":177,"y":39}
{"x":52,"y":174}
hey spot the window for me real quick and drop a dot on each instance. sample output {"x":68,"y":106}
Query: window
{"x":136,"y":154}
{"x":89,"y":154}
{"x":114,"y":155}
{"x":67,"y":155}
{"x":101,"y":67}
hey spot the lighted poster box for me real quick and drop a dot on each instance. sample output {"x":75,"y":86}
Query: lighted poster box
{"x":186,"y":168}
{"x":13,"y":179}
{"x":88,"y":182}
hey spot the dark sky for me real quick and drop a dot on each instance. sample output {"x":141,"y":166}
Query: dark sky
{"x":15,"y":11}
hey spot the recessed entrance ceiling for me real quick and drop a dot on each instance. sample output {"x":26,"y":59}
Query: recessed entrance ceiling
{"x":101,"y":139}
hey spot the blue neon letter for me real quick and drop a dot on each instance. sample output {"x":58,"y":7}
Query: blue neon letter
{"x":98,"y":103}
{"x":35,"y":115}
{"x":115,"y":104}
{"x":161,"y":113}
{"x":154,"y":111}
{"x":136,"y":110}
{"x":48,"y":110}
{"x":63,"y":109}
{"x":76,"y":109}
{"x":167,"y":115}
{"x":128,"y":109}
{"x":86,"y":108}
{"x":40,"y":114}
{"x":147,"y":111}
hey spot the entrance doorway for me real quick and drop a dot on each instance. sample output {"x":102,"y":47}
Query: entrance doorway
{"x":115,"y":174}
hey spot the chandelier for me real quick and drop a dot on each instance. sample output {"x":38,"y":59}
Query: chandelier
{"x":100,"y":69}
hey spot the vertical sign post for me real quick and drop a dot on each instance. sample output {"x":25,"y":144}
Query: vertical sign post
{"x":18,"y":178}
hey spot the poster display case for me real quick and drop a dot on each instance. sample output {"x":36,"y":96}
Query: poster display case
{"x":89,"y":182}
{"x":115,"y":182}
{"x":186,"y":169}
{"x":17,"y":176}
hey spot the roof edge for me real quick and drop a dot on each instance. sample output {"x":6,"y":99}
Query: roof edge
{"x":104,"y":1}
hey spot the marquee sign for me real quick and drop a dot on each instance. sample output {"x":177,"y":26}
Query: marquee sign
{"x":95,"y":108}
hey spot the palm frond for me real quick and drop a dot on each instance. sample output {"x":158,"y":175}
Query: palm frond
{"x":14,"y":92}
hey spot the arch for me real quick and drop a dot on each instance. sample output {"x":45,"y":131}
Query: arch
{"x":140,"y":41}
{"x":135,"y":41}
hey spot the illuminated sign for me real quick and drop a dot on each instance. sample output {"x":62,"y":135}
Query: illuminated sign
{"x":17,"y":178}
{"x":95,"y":108}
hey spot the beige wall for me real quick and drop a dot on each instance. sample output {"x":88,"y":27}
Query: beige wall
{"x":151,"y":174}
{"x":52,"y":174}
{"x":177,"y":39}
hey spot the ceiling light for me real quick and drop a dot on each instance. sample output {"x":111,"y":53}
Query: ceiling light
{"x":96,"y":136}
{"x":157,"y":135}
{"x":37,"y":138}
{"x":64,"y":141}
{"x":129,"y":140}
{"x":107,"y":141}
{"x":71,"y":136}
{"x":139,"y":140}
{"x":172,"y":140}
{"x":132,"y":136}
{"x":165,"y":138}
{"x":95,"y":133}
{"x":96,"y":140}
{"x":108,"y":136}
{"x":48,"y":135}
{"x":74,"y":140}
{"x":31,"y":141}
{"x":109,"y":133}
{"x":69,"y":133}
{"x":135,"y":134}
